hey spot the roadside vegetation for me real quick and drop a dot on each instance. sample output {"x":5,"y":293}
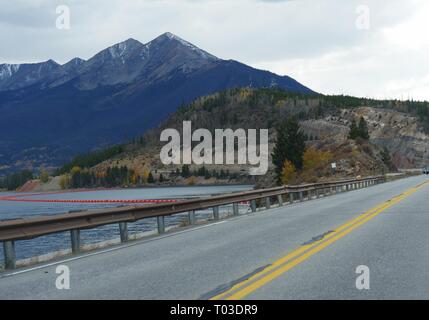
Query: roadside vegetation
{"x":15,"y":180}
{"x":297,"y":161}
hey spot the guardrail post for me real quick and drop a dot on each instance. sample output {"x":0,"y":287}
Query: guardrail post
{"x":267,"y":203}
{"x":291,"y":199}
{"x":9,"y":255}
{"x":216,"y":213}
{"x":253,"y":205}
{"x":280,"y":200}
{"x":123,"y":231}
{"x":161,"y":224}
{"x":235,"y":208}
{"x":317,"y":192}
{"x":75,"y":240}
{"x":191,"y":217}
{"x":301,"y":196}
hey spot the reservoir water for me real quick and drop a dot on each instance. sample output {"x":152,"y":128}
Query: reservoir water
{"x":60,"y":241}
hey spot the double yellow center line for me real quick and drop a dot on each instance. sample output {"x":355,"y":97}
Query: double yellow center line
{"x":284,"y":264}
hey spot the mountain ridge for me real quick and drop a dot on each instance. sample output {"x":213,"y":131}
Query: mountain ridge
{"x":51,"y":112}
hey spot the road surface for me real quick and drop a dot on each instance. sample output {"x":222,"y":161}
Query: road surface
{"x":306,"y":250}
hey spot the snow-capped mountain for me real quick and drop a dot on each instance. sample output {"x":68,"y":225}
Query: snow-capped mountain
{"x":123,"y":62}
{"x":17,"y":76}
{"x":117,"y":94}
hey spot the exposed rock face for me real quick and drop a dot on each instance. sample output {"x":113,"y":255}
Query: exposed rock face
{"x":399,"y":132}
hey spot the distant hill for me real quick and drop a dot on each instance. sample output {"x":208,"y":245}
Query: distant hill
{"x":51,"y":112}
{"x":401,"y":128}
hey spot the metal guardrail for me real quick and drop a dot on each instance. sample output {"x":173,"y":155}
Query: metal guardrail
{"x":28,"y":228}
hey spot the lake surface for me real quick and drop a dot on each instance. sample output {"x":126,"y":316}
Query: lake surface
{"x":59,"y":241}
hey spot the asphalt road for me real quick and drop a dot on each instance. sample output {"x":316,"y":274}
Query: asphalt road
{"x":306,"y":250}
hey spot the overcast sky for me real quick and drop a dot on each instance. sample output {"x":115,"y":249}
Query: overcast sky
{"x":374,"y":48}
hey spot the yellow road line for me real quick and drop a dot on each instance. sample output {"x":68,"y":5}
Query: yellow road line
{"x":304,"y":252}
{"x":294,"y":254}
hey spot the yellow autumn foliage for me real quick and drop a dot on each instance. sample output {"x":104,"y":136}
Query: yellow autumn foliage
{"x":288,"y":173}
{"x":315,"y":164}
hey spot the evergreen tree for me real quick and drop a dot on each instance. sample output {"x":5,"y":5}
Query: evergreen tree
{"x":363,"y":129}
{"x":354,"y":131}
{"x":387,"y":159}
{"x":150,"y":178}
{"x":185,"y":171}
{"x":290,"y":145}
{"x":359,"y":130}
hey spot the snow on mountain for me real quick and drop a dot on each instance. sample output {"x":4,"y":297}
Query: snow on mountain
{"x":7,"y":70}
{"x":201,"y":52}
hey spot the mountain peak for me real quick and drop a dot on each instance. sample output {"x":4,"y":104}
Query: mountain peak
{"x":120,"y":49}
{"x":169,"y":37}
{"x":76,"y":61}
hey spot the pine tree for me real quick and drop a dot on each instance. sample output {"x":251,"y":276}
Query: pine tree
{"x":185,"y":171}
{"x":363,"y":129}
{"x":290,"y":145}
{"x":354,"y":131}
{"x":359,"y":130}
{"x":150,"y":178}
